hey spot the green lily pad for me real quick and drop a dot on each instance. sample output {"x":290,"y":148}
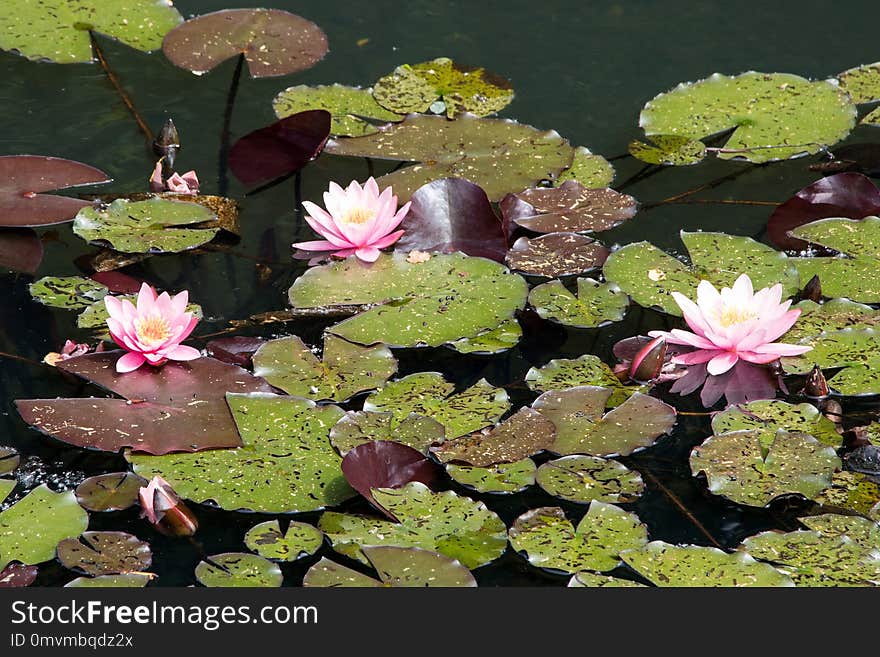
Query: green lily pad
{"x":234,"y":569}
{"x":739,"y":466}
{"x":855,"y":350}
{"x":649,"y":275}
{"x":695,"y":565}
{"x":862,"y":531}
{"x":768,"y":416}
{"x":499,"y":155}
{"x":9,"y":460}
{"x":300,"y":540}
{"x":505,"y":336}
{"x":871,"y":118}
{"x":450,"y":524}
{"x":586,"y":370}
{"x":154,"y":226}
{"x":832,"y":315}
{"x":327,"y":573}
{"x":430,"y":395}
{"x":550,"y":540}
{"x":583,"y":427}
{"x":443,"y":86}
{"x":105,"y":553}
{"x":396,"y":567}
{"x":31,"y":528}
{"x":862,"y":83}
{"x":109,"y":492}
{"x":286,"y":463}
{"x":359,"y":427}
{"x":596,"y":304}
{"x":416,"y":304}
{"x":345,"y":369}
{"x":502,"y":478}
{"x":129,"y":581}
{"x":58,"y":30}
{"x":775,"y":116}
{"x":67,"y":291}
{"x":523,"y":434}
{"x":854,"y":492}
{"x":583,"y":479}
{"x":669,"y":150}
{"x":348,"y":107}
{"x":587,"y":579}
{"x":589,"y":169}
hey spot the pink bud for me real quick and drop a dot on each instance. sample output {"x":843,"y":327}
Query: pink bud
{"x":647,"y":363}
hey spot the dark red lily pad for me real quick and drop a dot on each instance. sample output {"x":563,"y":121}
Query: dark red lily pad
{"x":849,"y":195}
{"x":280,"y":149}
{"x":274,"y":42}
{"x":23,"y":178}
{"x":556,"y":254}
{"x":237,"y":350}
{"x":178,"y":407}
{"x":453,"y":214}
{"x":16,"y":576}
{"x":570,"y":208}
{"x":386,"y":464}
{"x":20,"y":250}
{"x":118,"y":282}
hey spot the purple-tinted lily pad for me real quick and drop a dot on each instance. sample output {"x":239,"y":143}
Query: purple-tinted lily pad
{"x":556,"y":254}
{"x":281,"y":148}
{"x":386,"y":464}
{"x":110,"y":492}
{"x":105,"y":553}
{"x":571,"y":207}
{"x":20,"y":250}
{"x":453,"y":214}
{"x":849,"y":195}
{"x":23,"y":178}
{"x":17,"y":575}
{"x":178,"y":407}
{"x":237,"y":350}
{"x":273,"y":42}
{"x":118,"y":282}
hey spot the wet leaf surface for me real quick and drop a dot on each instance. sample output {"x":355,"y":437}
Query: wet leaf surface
{"x":70,"y":292}
{"x":589,"y":169}
{"x":768,"y":417}
{"x":115,"y":491}
{"x":586,"y":370}
{"x":17,"y":575}
{"x":349,"y":107}
{"x":571,"y":208}
{"x":105,"y":553}
{"x":556,"y":254}
{"x":583,"y":479}
{"x":236,"y":569}
{"x":669,"y":150}
{"x":595,"y":305}
{"x":501,"y":478}
{"x":361,"y":427}
{"x":134,"y":581}
{"x":396,"y":567}
{"x":299,"y":540}
{"x":9,"y":460}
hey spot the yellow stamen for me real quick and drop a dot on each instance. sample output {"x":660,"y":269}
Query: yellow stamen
{"x":152,"y":329}
{"x":357,"y":216}
{"x":733,"y":315}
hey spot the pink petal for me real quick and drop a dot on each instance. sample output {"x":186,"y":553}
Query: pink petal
{"x":723,"y":361}
{"x":129,"y":362}
{"x":145,"y":299}
{"x":743,"y":291}
{"x":179,"y":302}
{"x":691,"y":313}
{"x":182,"y":352}
{"x":760,"y":359}
{"x":367,"y":253}
{"x":156,"y":183}
{"x":695,"y":357}
{"x":782,"y":349}
{"x":686,"y":337}
{"x":316,"y":245}
{"x":388,"y":240}
{"x":780,"y":326}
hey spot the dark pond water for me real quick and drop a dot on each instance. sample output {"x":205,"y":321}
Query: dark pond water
{"x":584,"y":69}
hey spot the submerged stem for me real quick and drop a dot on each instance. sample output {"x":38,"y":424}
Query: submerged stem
{"x":681,"y":507}
{"x":223,"y":158}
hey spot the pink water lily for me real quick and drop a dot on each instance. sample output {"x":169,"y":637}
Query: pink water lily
{"x":358,"y":221}
{"x":187,"y":183}
{"x":734,"y":324}
{"x":164,"y":509}
{"x":151,"y":331}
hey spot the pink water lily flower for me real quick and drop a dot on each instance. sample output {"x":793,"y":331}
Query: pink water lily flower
{"x":358,"y":221}
{"x":734,"y":324}
{"x":164,"y":509}
{"x":188,"y":183}
{"x":151,"y":331}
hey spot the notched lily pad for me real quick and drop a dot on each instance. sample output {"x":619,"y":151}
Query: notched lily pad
{"x":109,"y":492}
{"x":69,"y":292}
{"x":669,"y":150}
{"x":853,"y":492}
{"x":583,"y":479}
{"x":587,"y":579}
{"x":130,"y":580}
{"x":360,"y":427}
{"x":772,"y":415}
{"x":502,"y":478}
{"x":105,"y":553}
{"x":589,"y":169}
{"x":299,"y":540}
{"x":349,"y":107}
{"x":556,"y":254}
{"x":862,"y":83}
{"x":236,"y":569}
{"x":596,"y":304}
{"x":396,"y":567}
{"x":586,"y":370}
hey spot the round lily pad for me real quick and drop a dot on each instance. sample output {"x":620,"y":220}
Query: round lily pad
{"x":695,"y":565}
{"x":154,"y":226}
{"x":414,"y":304}
{"x":862,"y":83}
{"x":9,"y":460}
{"x":669,"y":150}
{"x":299,"y":540}
{"x":105,"y":553}
{"x":130,"y":580}
{"x":360,"y":427}
{"x":235,"y":569}
{"x":58,"y":30}
{"x":505,"y":336}
{"x":583,"y":479}
{"x":832,"y":315}
{"x":443,"y":86}
{"x":502,"y":478}
{"x":327,"y":573}
{"x":855,"y":350}
{"x":862,"y":531}
{"x":586,"y":370}
{"x":273,"y":42}
{"x":345,"y":369}
{"x":775,"y":116}
{"x":570,"y":207}
{"x":739,"y":466}
{"x":109,"y":492}
{"x":396,"y":567}
{"x":587,"y":579}
{"x":68,"y":292}
{"x":550,"y":540}
{"x":853,"y":492}
{"x":768,"y":416}
{"x":556,"y":254}
{"x":589,"y":169}
{"x":286,"y":463}
{"x":450,"y":524}
{"x":17,"y":575}
{"x":349,"y":107}
{"x":596,"y":304}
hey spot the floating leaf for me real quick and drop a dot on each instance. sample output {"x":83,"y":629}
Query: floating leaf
{"x":109,"y":492}
{"x":571,"y":207}
{"x":299,"y":540}
{"x":430,"y":395}
{"x":273,"y":42}
{"x":105,"y":553}
{"x":177,"y":407}
{"x":696,"y":565}
{"x":331,"y":574}
{"x":550,"y":540}
{"x":862,"y":531}
{"x":775,"y":116}
{"x":345,"y":370}
{"x":236,"y":350}
{"x":131,"y":580}
{"x":499,"y":155}
{"x":285,"y":465}
{"x":68,"y":292}
{"x":455,"y":526}
{"x":832,"y":315}
{"x":525,"y":433}
{"x":20,"y":250}
{"x":236,"y":569}
{"x":58,"y":30}
{"x":397,"y":567}
{"x":349,"y":107}
{"x":441,"y":82}
{"x":650,"y":275}
{"x":854,"y":492}
{"x":498,"y":478}
{"x":360,"y":427}
{"x":556,"y":254}
{"x":669,"y":150}
{"x":861,"y":83}
{"x":853,"y":349}
{"x":505,"y":336}
{"x":738,"y":466}
{"x":590,"y":170}
{"x":769,"y":416}
{"x":596,"y":304}
{"x":32,"y":527}
{"x":592,"y":580}
{"x":281,"y":148}
{"x":586,"y":370}
{"x":586,"y":478}
{"x":17,"y":575}
{"x":581,"y":427}
{"x":9,"y":460}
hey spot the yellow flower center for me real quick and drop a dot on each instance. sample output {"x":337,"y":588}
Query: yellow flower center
{"x":153,"y":329}
{"x":735,"y":315}
{"x":357,"y":216}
